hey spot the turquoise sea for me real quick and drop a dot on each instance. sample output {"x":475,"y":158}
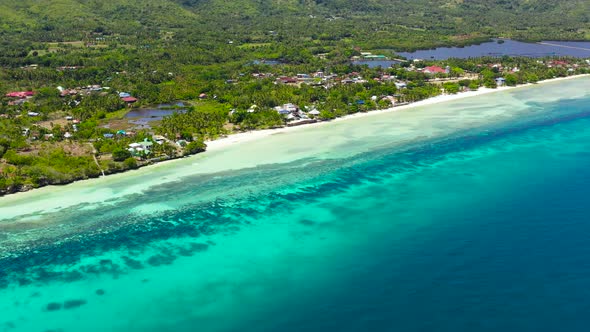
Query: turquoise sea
{"x":472,"y":215}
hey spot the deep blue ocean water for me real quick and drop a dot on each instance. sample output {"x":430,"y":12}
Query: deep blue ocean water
{"x":483,"y":230}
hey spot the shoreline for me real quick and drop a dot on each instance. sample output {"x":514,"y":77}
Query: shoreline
{"x":249,"y":136}
{"x":244,"y":137}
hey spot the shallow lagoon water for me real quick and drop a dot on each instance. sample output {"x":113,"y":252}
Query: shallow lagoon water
{"x":470,"y":215}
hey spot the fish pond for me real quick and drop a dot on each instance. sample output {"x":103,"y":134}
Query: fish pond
{"x":501,"y":47}
{"x":376,"y":63}
{"x":142,"y":117}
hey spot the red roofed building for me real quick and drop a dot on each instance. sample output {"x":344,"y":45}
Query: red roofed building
{"x":20,"y":94}
{"x":129,"y":99}
{"x":287,"y":80}
{"x":558,"y":63}
{"x":434,"y":70}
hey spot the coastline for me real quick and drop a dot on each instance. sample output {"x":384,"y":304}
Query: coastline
{"x":125,"y":183}
{"x":249,"y":136}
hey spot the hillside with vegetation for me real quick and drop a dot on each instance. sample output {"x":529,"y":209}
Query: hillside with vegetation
{"x":389,"y":22}
{"x":71,"y":70}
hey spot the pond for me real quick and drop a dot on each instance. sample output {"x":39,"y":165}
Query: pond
{"x":500,"y":47}
{"x":267,"y":62}
{"x":376,"y":63}
{"x":154,"y":113}
{"x":140,"y":118}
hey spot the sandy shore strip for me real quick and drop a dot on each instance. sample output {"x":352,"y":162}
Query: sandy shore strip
{"x":225,"y":154}
{"x":259,"y":134}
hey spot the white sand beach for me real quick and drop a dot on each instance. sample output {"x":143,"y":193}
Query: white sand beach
{"x":429,"y":118}
{"x":258,"y":134}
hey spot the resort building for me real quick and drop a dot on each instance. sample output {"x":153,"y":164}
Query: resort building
{"x":141,"y":149}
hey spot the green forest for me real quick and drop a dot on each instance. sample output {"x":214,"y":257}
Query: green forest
{"x":235,"y":65}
